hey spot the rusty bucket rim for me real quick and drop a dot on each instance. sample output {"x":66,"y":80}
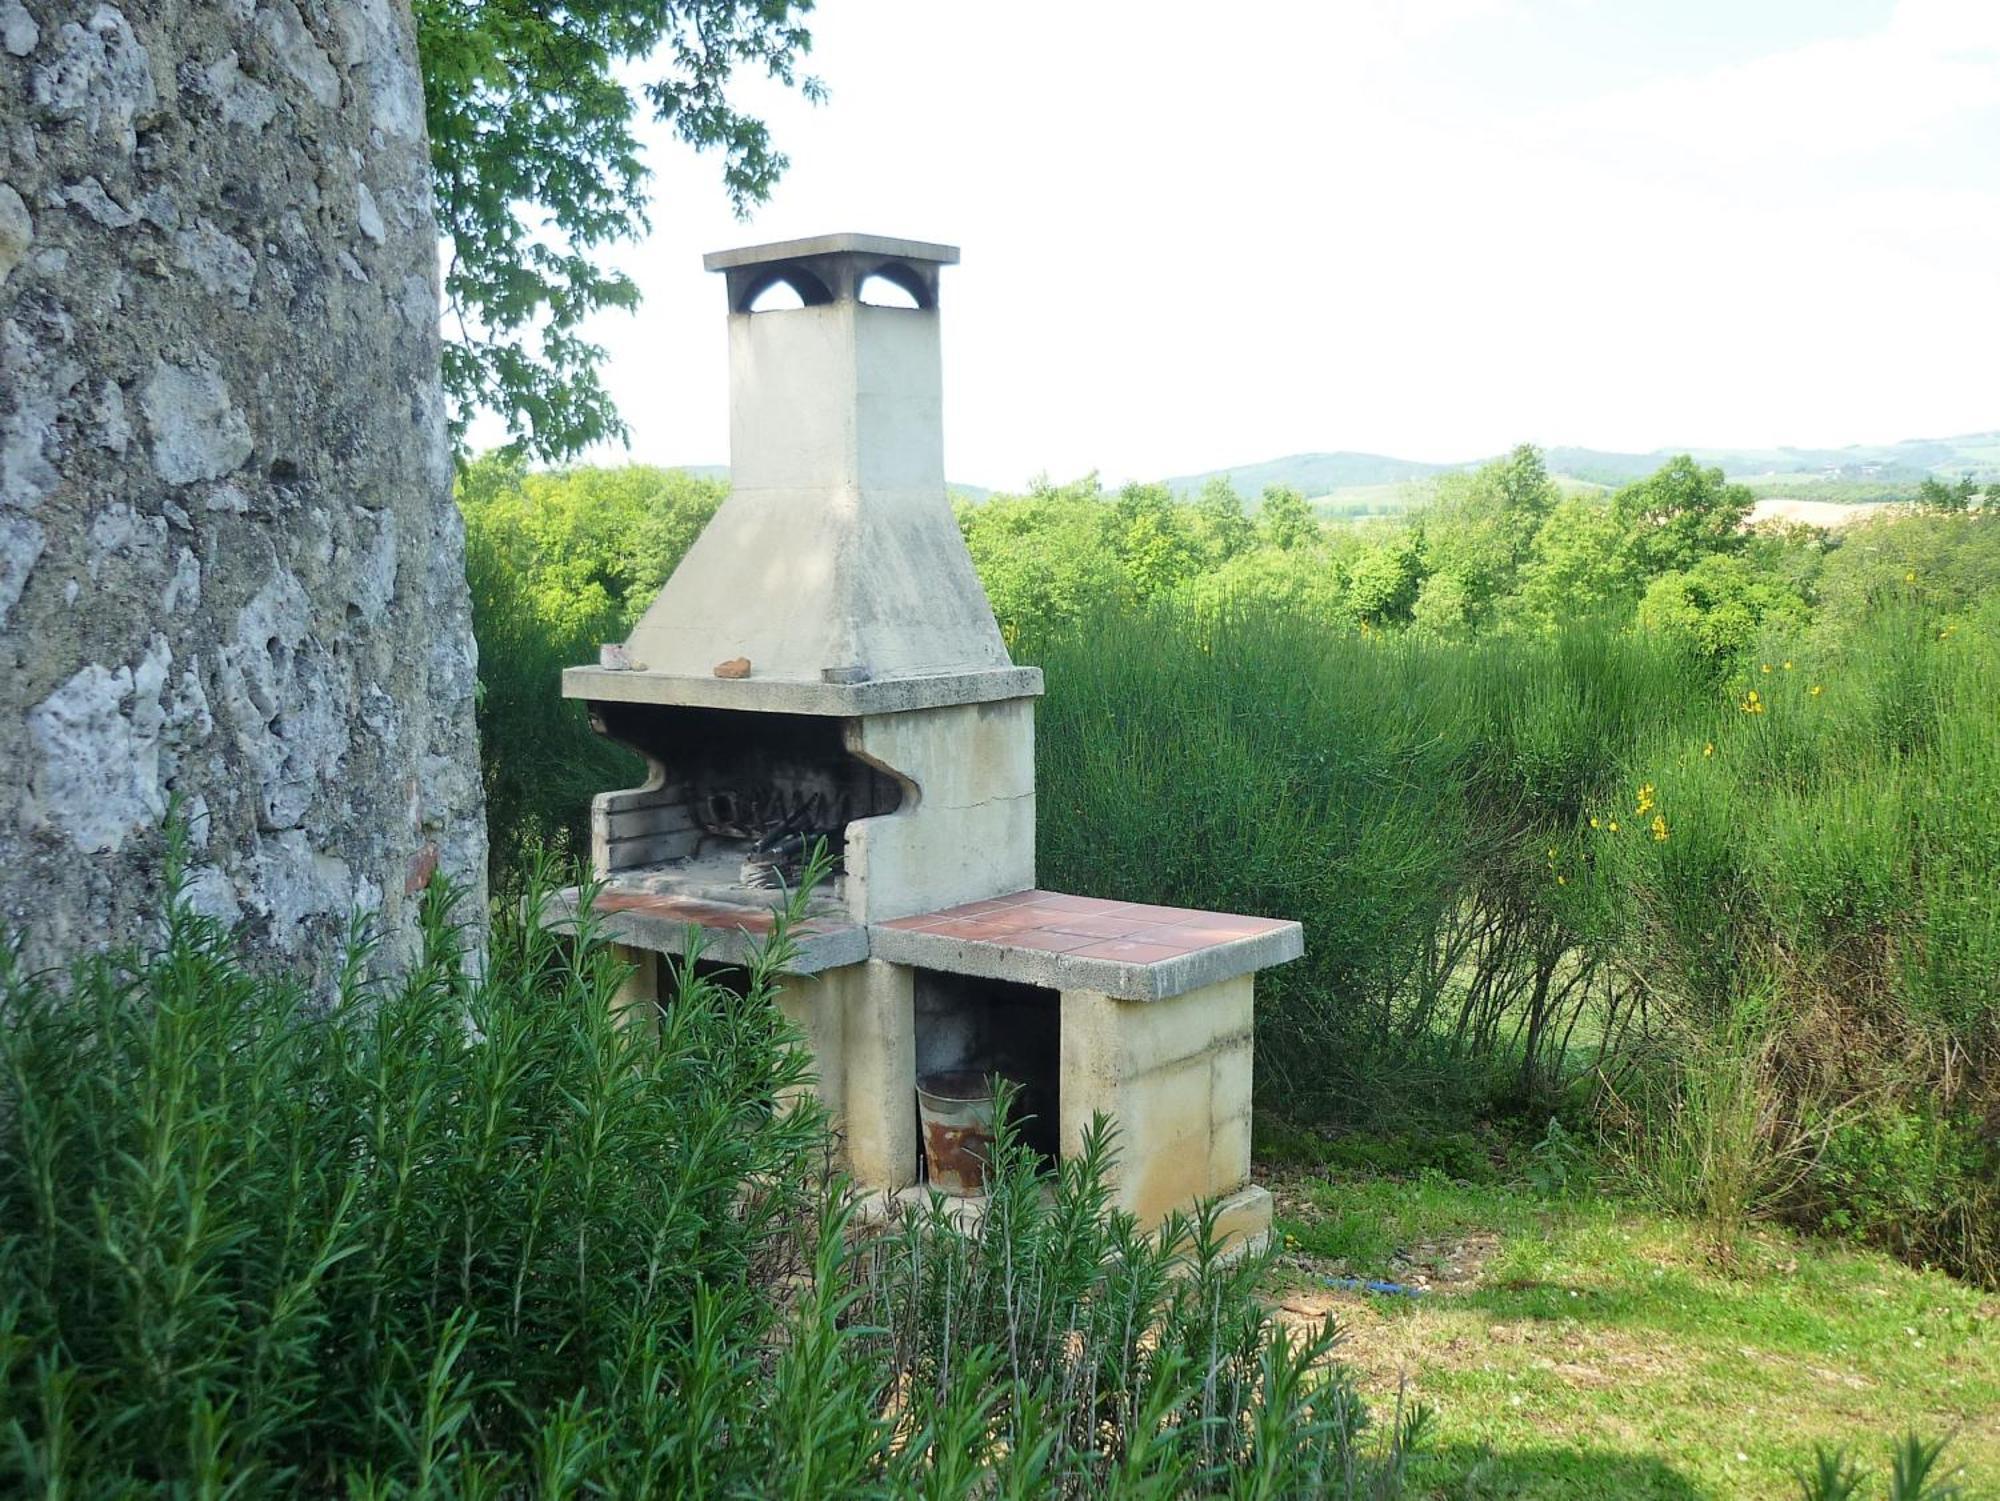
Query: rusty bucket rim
{"x":958,"y":1087}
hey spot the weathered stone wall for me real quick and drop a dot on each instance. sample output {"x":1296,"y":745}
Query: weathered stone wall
{"x":230,"y":568}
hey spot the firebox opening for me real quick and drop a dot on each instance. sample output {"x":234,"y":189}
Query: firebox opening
{"x":968,"y":1024}
{"x":738,"y":800}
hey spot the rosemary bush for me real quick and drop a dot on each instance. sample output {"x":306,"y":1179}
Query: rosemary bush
{"x":470,"y":1236}
{"x":1104,"y":1361}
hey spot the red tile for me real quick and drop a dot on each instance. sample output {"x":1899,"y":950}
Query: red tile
{"x":1243,"y":927}
{"x":1047,"y":942}
{"x":963,"y":927}
{"x":981,"y":930}
{"x":1014,"y":899}
{"x":1147,"y":912}
{"x":1129,"y":951}
{"x":1055,"y":902}
{"x":1014,"y":919}
{"x":1102,"y":927}
{"x":1040,"y":916}
{"x":685,"y":909}
{"x":1195,"y":935}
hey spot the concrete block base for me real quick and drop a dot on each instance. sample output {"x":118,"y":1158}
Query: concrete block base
{"x":1174,"y":1076}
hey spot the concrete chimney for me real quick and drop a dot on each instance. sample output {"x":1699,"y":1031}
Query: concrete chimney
{"x":836,"y":559}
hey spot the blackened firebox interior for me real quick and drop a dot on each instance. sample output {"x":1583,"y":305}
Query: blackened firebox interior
{"x":746,"y":796}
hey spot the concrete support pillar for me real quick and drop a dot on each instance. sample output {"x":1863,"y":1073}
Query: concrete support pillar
{"x":637,"y":1001}
{"x":1175,"y":1076}
{"x":881,"y":1075}
{"x":816,"y":1005}
{"x":859,"y":1023}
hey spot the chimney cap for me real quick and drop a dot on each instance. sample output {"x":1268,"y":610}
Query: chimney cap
{"x":886,"y":246}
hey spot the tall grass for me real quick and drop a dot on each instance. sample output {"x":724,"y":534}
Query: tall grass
{"x":472,"y":1236}
{"x":1399,"y":796}
{"x":1532,"y":868}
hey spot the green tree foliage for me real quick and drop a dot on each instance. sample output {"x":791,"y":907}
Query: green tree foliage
{"x":1306,"y":579}
{"x":1048,"y":557}
{"x":1934,"y":494}
{"x":1444,"y":605}
{"x":1225,"y":529}
{"x":1680,"y":514}
{"x":587,"y":546}
{"x":538,"y":169}
{"x":1477,"y":534}
{"x":558,"y":562}
{"x":1160,"y":542}
{"x":1947,"y":561}
{"x":1720,"y":605}
{"x":1577,"y":567}
{"x":1285,"y":518}
{"x":1383,"y":580}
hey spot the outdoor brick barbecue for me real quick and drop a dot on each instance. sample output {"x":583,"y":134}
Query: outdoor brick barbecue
{"x":824,"y":665}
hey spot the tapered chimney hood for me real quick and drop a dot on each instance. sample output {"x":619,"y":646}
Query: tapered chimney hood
{"x":835,"y":568}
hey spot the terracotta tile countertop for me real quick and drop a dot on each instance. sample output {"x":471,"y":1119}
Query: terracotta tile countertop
{"x":730,"y":933}
{"x":1127,"y":949}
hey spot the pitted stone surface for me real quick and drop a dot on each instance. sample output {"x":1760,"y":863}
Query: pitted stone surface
{"x":230,"y":569}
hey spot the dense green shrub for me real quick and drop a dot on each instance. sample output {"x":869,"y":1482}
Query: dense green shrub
{"x":1720,"y":605}
{"x":475,"y":1236}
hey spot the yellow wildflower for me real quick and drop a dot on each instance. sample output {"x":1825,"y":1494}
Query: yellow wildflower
{"x":1788,"y":666}
{"x":1595,"y":824}
{"x":1767,"y":666}
{"x":1659,"y":828}
{"x":1709,"y":749}
{"x":1645,"y":799}
{"x":1613,"y":826}
{"x":1816,"y":690}
{"x":1562,"y":880}
{"x":1910,"y":577}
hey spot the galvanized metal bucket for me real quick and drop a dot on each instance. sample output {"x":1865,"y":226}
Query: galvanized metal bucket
{"x":957,"y":1111}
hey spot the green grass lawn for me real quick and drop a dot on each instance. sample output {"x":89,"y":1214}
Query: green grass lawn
{"x":1594,"y":1348}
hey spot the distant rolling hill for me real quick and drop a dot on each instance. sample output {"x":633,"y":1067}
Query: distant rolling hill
{"x":1977,"y":454}
{"x":1367,"y":482}
{"x":1312,"y":473}
{"x":1373,"y":482}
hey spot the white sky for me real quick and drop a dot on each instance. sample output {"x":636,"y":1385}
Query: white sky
{"x":1204,"y":235}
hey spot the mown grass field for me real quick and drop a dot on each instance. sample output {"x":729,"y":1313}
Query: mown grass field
{"x":1591,"y":1347}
